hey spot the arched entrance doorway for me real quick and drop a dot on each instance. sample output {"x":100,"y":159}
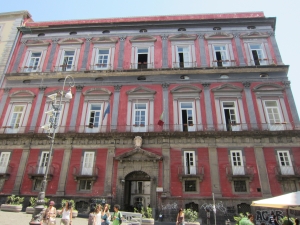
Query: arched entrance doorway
{"x":137,"y":191}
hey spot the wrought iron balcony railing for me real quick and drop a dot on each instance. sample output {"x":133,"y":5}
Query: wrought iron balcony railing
{"x":5,"y":172}
{"x":102,"y":66}
{"x":39,"y":171}
{"x":154,"y":128}
{"x":287,"y":173}
{"x":185,"y":172}
{"x":239,"y":172}
{"x":178,"y":65}
{"x":141,"y":65}
{"x":64,"y":68}
{"x":85,"y":173}
{"x":30,"y":69}
{"x":223,"y":63}
{"x":261,"y":62}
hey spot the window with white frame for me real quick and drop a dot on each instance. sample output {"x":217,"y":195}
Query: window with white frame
{"x":183,"y":57}
{"x":67,"y":60}
{"x":85,"y":185}
{"x":43,"y":162}
{"x":230,"y":116}
{"x":102,"y":59}
{"x":257,"y":54}
{"x":273,"y":115}
{"x":57,"y":117}
{"x":221,"y":55}
{"x":16,"y":117}
{"x":88,"y":163}
{"x":285,"y":162}
{"x":94,"y":116}
{"x":4,"y":159}
{"x":189,"y":162}
{"x":33,"y":64}
{"x":140,"y":117}
{"x":142,"y":56}
{"x":237,"y":164}
{"x":187,"y":116}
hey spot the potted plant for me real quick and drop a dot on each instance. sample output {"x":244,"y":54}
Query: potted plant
{"x":32,"y":201}
{"x":147,"y":218}
{"x":74,"y":211}
{"x":13,"y":204}
{"x":191,"y":216}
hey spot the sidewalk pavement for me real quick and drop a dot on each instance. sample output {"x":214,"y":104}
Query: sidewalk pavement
{"x":21,"y":218}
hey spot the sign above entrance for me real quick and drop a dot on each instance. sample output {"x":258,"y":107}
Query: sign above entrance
{"x":159,"y":189}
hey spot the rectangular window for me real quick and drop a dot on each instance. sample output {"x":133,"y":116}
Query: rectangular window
{"x":230,"y":116}
{"x":285,"y":163}
{"x":4,"y":159}
{"x":140,"y":117}
{"x":34,"y":62}
{"x":102,"y":59}
{"x":189,"y":162}
{"x":257,"y":55}
{"x":273,"y":115}
{"x":37,"y":184}
{"x":16,"y":117}
{"x":85,"y":185}
{"x":190,"y":186}
{"x":183,"y":57}
{"x":94,"y":116}
{"x":221,"y":55}
{"x":68,"y":60}
{"x":43,"y":162}
{"x":187,"y":116}
{"x":142,"y":58}
{"x":139,"y":187}
{"x":237,"y":162}
{"x":240,"y":186}
{"x":88,"y":163}
{"x":289,"y":186}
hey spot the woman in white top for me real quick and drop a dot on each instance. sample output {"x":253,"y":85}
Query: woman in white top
{"x":66,"y":213}
{"x":98,"y":213}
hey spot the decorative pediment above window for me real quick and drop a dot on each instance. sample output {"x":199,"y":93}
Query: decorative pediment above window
{"x":104,"y":40}
{"x":37,"y":43}
{"x":139,"y":155}
{"x":255,"y":35}
{"x":268,"y":87}
{"x":184,"y":91}
{"x":70,"y":41}
{"x":183,"y":37}
{"x":143,"y":38}
{"x":141,"y":93}
{"x":97,"y":93}
{"x":227,"y":90}
{"x":218,"y":35}
{"x":22,"y":95}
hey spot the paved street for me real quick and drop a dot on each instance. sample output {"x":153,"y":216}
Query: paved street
{"x":21,"y":218}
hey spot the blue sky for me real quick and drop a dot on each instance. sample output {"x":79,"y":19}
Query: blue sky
{"x":286,"y":11}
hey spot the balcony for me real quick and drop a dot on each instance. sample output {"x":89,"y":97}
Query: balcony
{"x":223,"y":63}
{"x":103,"y":66}
{"x":261,"y":62}
{"x":287,"y":173}
{"x":64,"y":68}
{"x":186,"y":128}
{"x":89,"y":173}
{"x":141,"y":66}
{"x":37,"y":171}
{"x":181,"y":65}
{"x":186,"y":172}
{"x":239,"y":173}
{"x":5,"y":172}
{"x":30,"y":69}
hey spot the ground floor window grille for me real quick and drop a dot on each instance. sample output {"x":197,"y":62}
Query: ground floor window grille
{"x":190,"y":185}
{"x":85,"y":185}
{"x":240,"y":186}
{"x":37,"y":184}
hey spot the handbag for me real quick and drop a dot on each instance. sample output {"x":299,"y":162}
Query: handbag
{"x":120,"y":220}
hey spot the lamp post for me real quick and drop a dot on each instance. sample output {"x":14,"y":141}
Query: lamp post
{"x":51,"y":127}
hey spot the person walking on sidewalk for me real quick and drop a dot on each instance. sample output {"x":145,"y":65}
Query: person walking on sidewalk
{"x":117,"y":216}
{"x":66,"y":218}
{"x":180,"y":217}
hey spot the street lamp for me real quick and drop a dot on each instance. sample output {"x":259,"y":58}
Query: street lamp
{"x":50,"y":127}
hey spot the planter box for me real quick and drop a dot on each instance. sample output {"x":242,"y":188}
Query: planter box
{"x":147,"y":221}
{"x":29,"y":210}
{"x":11,"y":208}
{"x":192,"y":223}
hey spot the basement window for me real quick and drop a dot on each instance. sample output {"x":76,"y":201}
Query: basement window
{"x":181,"y":29}
{"x":143,"y":30}
{"x":251,"y":27}
{"x":73,"y":33}
{"x":240,"y":186}
{"x":190,"y":186}
{"x":141,"y":78}
{"x":41,"y":35}
{"x":217,"y":28}
{"x":105,"y":32}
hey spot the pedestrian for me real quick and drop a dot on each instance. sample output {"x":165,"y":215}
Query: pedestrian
{"x":207,"y":216}
{"x":251,"y":218}
{"x":117,"y":216}
{"x":98,"y":213}
{"x":180,"y":217}
{"x":296,"y":221}
{"x":49,"y":217}
{"x":106,"y":215}
{"x":92,"y":214}
{"x":271,"y":218}
{"x":66,"y":213}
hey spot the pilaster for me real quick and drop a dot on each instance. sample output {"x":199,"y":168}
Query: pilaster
{"x":166,"y":166}
{"x":164,"y":38}
{"x":37,"y":108}
{"x":275,"y":48}
{"x":115,"y":112}
{"x":4,"y":99}
{"x":121,"y":52}
{"x":202,"y":50}
{"x":166,"y":119}
{"x":214,"y":171}
{"x":64,"y":171}
{"x":75,"y":107}
{"x":292,"y":104}
{"x":239,"y":49}
{"x":109,"y":171}
{"x":19,"y":56}
{"x":208,"y":110}
{"x":249,"y":102}
{"x":86,"y":54}
{"x":52,"y":53}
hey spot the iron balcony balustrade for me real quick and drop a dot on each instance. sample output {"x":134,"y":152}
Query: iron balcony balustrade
{"x":85,"y":173}
{"x":30,"y":69}
{"x":64,"y":68}
{"x":154,"y":128}
{"x":261,"y":62}
{"x":39,"y":171}
{"x":5,"y":172}
{"x":187,"y":172}
{"x":223,"y":63}
{"x":239,"y":172}
{"x":141,"y":66}
{"x":181,"y":65}
{"x":100,"y":66}
{"x":287,"y":173}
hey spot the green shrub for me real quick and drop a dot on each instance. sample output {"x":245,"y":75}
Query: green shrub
{"x":190,"y":215}
{"x":63,"y":203}
{"x":14,"y":200}
{"x":146,"y":212}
